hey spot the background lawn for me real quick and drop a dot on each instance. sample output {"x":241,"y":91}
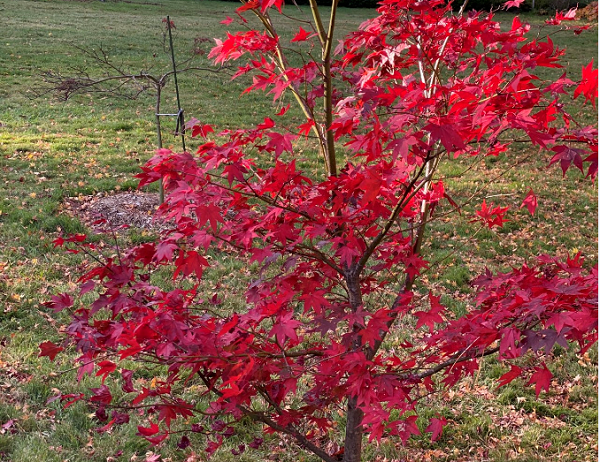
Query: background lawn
{"x":93,"y":144}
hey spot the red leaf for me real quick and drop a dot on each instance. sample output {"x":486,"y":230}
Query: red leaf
{"x":446,"y":133}
{"x":59,"y":302}
{"x":106,"y":367}
{"x":268,"y":123}
{"x":284,"y":328}
{"x":101,"y":395}
{"x":269,"y":3}
{"x":513,"y":4}
{"x":190,"y":262}
{"x":164,"y":251}
{"x":127,"y":377}
{"x":71,"y":399}
{"x":541,"y":378}
{"x":511,"y":375}
{"x":153,"y":429}
{"x":301,"y":36}
{"x":589,"y":84}
{"x":283,"y":110}
{"x":49,"y":349}
{"x":429,"y":318}
{"x":106,"y":427}
{"x":201,"y":130}
{"x":250,"y":5}
{"x":567,"y":156}
{"x":435,"y":427}
{"x":280,"y":143}
{"x":305,"y":128}
{"x":491,"y":216}
{"x":531,"y":202}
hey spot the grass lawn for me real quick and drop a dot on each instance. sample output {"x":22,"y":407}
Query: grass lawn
{"x":93,"y":144}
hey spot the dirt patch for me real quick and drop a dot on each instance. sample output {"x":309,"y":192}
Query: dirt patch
{"x":116,"y":212}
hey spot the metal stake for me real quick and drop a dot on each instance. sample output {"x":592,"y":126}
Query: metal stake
{"x":180,"y":119}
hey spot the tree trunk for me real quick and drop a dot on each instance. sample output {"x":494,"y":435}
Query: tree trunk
{"x":354,"y":415}
{"x":354,"y":432}
{"x":159,"y":145}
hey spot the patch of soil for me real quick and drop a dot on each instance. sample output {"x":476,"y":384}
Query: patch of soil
{"x":115,"y":212}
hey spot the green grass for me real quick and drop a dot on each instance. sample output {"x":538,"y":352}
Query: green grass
{"x":51,"y":150}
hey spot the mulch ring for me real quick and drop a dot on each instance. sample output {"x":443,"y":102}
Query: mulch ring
{"x":115,"y":212}
{"x":588,"y":13}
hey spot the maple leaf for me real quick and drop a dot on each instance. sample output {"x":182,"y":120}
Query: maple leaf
{"x":369,"y":336}
{"x":152,"y":457}
{"x":49,"y":349}
{"x":106,"y":367}
{"x":280,"y":142}
{"x":265,"y":4}
{"x":558,"y":86}
{"x":589,"y":84}
{"x":347,"y":253}
{"x":283,"y":110}
{"x":249,"y":5}
{"x":505,"y":379}
{"x":429,"y":318}
{"x":560,"y":320}
{"x":509,"y":343}
{"x":445,"y":132}
{"x":127,"y":377}
{"x":304,"y":129}
{"x":436,"y":426}
{"x":491,"y":216}
{"x":201,"y":130}
{"x":512,"y":4}
{"x":209,"y":213}
{"x":101,"y":395}
{"x":579,"y":30}
{"x":531,"y":202}
{"x":567,"y":156}
{"x":413,"y":265}
{"x":279,"y":88}
{"x":267,"y":123}
{"x":405,"y":428}
{"x":190,"y":262}
{"x":153,"y":429}
{"x":59,"y":302}
{"x":106,"y":427}
{"x":164,"y":251}
{"x":301,"y":36}
{"x":541,"y":378}
{"x":68,"y":399}
{"x":284,"y":328}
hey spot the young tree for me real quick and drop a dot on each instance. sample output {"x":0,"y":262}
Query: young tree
{"x":336,"y":255}
{"x":118,"y":81}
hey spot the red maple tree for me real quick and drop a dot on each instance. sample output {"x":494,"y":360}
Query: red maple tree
{"x":336,"y":254}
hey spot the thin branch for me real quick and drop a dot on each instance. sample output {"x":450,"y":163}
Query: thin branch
{"x":301,"y":439}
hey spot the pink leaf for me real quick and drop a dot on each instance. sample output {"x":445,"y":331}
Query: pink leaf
{"x":513,"y":4}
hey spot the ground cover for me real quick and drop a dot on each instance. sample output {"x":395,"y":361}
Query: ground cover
{"x":55,"y":153}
